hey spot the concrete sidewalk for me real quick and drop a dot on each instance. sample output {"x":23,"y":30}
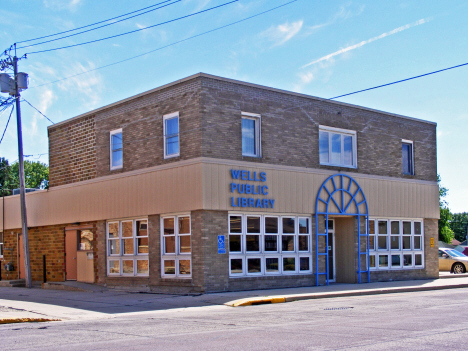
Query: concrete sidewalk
{"x":108,"y":303}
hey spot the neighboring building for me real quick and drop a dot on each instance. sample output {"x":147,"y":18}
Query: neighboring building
{"x":211,"y":184}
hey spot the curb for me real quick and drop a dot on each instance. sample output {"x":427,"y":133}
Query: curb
{"x":26,"y":320}
{"x":292,"y":298}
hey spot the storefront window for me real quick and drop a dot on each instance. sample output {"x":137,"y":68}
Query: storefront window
{"x":405,"y":245}
{"x":269,"y":245}
{"x":127,"y":247}
{"x":176,"y":247}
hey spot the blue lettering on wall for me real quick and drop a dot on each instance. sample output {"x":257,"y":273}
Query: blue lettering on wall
{"x":249,"y":189}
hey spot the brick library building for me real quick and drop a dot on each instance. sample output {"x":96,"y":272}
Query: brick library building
{"x":210,"y":184}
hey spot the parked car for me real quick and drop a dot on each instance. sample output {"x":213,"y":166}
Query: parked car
{"x":453,"y":261}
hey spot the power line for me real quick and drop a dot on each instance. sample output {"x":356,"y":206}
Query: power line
{"x":133,"y":31}
{"x":12,"y":108}
{"x":93,"y":24}
{"x":38,"y":111}
{"x":399,"y":81}
{"x":105,"y":25}
{"x":166,"y":46}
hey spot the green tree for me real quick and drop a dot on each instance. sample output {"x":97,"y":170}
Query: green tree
{"x":459,"y":224}
{"x":445,"y":232}
{"x":4,"y":176}
{"x":36,"y":175}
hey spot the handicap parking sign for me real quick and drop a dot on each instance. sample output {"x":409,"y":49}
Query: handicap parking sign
{"x":221,"y":245}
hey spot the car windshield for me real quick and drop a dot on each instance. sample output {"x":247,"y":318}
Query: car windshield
{"x":456,"y":253}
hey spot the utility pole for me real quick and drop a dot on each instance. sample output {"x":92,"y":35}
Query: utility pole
{"x":14,"y":87}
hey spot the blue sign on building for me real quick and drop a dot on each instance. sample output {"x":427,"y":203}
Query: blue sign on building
{"x":221,"y":244}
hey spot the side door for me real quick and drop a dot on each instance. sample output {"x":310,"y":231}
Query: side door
{"x":71,"y":253}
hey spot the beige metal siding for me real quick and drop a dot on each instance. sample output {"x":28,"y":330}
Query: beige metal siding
{"x":162,"y":191}
{"x":205,"y":184}
{"x":295,"y":191}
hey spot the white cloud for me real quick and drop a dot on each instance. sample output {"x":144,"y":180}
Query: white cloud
{"x":62,"y":4}
{"x":344,"y":12}
{"x":364,"y":42}
{"x":306,"y":78}
{"x":283,"y":32}
{"x":87,"y":87}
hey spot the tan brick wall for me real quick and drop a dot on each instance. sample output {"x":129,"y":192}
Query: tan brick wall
{"x":210,"y":119}
{"x":72,"y":152}
{"x":47,"y":240}
{"x":290,"y":130}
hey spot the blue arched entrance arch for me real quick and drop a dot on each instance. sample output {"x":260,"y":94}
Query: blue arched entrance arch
{"x":341,"y":195}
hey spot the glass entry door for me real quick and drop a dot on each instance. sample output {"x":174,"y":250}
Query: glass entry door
{"x":331,"y":251}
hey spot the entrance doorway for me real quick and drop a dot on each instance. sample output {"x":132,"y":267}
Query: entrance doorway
{"x":341,"y":232}
{"x":345,"y":249}
{"x":71,"y":250}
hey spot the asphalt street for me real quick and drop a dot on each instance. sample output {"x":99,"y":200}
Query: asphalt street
{"x":429,"y":320}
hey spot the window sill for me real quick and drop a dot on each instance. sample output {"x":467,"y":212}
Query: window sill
{"x":166,"y":157}
{"x":340,"y":166}
{"x":115,"y":168}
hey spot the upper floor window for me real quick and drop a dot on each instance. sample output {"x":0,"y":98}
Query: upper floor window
{"x":171,"y":135}
{"x":116,"y":149}
{"x":251,"y":135}
{"x":407,"y":156}
{"x":337,"y":147}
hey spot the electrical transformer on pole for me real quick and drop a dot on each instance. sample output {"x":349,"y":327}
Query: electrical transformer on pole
{"x":13,"y":86}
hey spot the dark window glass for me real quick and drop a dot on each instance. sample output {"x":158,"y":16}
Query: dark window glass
{"x":396,"y":261}
{"x":271,"y":264}
{"x":304,"y":264}
{"x":417,"y":228}
{"x":382,"y":227}
{"x":236,"y":265}
{"x":418,"y":260}
{"x":406,"y":227}
{"x":303,"y":225}
{"x":288,"y":225}
{"x":254,"y":265}
{"x":395,"y":227}
{"x":271,"y":243}
{"x":303,"y":242}
{"x":407,"y":260}
{"x":253,"y":243}
{"x":287,"y":243}
{"x":289,"y":264}
{"x":253,"y":224}
{"x":417,"y":243}
{"x":235,"y":243}
{"x":406,"y":243}
{"x":407,"y":158}
{"x":271,"y":225}
{"x":235,"y":224}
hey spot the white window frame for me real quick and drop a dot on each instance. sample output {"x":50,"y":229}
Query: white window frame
{"x":120,"y":257}
{"x":165,"y":118}
{"x":342,"y":132}
{"x":410,"y":142}
{"x":244,"y":255}
{"x":113,"y":132}
{"x":258,"y":134}
{"x":177,"y":255}
{"x":402,"y":252}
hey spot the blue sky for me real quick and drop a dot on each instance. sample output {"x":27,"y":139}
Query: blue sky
{"x":321,"y":48}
